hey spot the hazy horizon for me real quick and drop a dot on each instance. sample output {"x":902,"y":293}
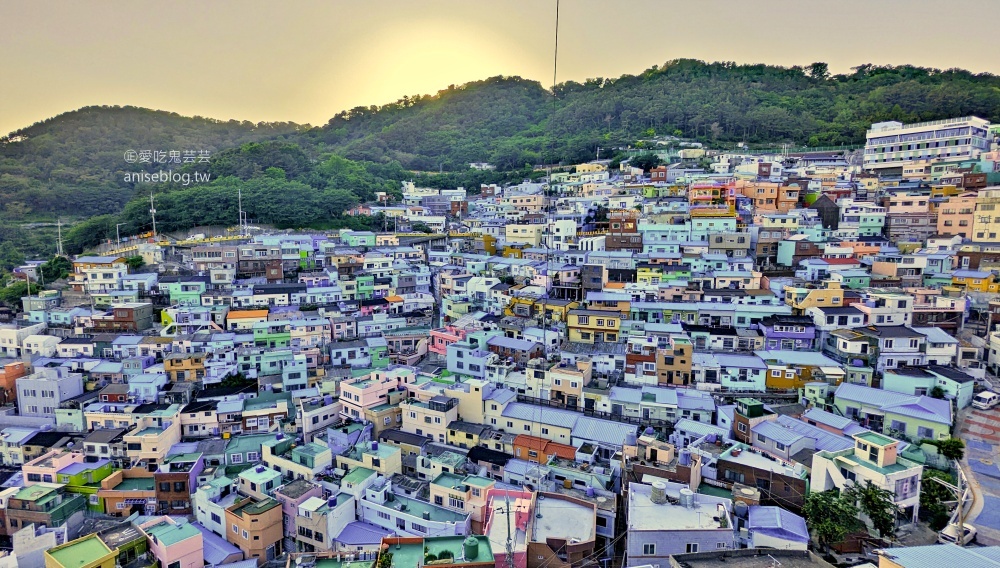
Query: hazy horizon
{"x":306,"y":62}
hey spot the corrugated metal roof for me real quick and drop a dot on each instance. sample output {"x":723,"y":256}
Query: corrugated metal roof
{"x":771,"y":431}
{"x":543,"y":415}
{"x":602,"y":431}
{"x":937,"y":555}
{"x":779,"y":523}
{"x":823,"y":440}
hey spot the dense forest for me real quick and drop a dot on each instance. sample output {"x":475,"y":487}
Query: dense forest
{"x":74,"y":165}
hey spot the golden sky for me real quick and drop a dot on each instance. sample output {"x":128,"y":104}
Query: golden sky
{"x":305,"y":61}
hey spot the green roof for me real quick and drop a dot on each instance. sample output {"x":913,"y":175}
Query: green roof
{"x":255,"y":508}
{"x":136,"y":484}
{"x":182,"y":458}
{"x":253,"y":476}
{"x":170,"y":534}
{"x":874,"y":438}
{"x":247,"y":442}
{"x":413,"y":554}
{"x":357,"y":475}
{"x":80,"y":552}
{"x":34,"y":492}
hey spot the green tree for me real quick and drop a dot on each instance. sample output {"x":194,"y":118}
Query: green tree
{"x":952,"y":448}
{"x":831,"y":516}
{"x":11,"y":294}
{"x":819,"y":70}
{"x":876,"y":504}
{"x":421,"y":227}
{"x":937,"y":392}
{"x":57,"y":268}
{"x":932,"y":498}
{"x":645,"y":161}
{"x":10,"y":256}
{"x":135,"y":262}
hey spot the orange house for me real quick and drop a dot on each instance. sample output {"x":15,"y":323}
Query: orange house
{"x":9,"y":374}
{"x":533,"y":448}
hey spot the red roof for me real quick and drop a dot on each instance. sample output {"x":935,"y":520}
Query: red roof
{"x":841,"y":261}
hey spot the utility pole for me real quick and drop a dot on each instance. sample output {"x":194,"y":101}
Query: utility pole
{"x":59,"y":249}
{"x":152,"y":212}
{"x":960,"y":495}
{"x":118,"y":233}
{"x":509,"y":560}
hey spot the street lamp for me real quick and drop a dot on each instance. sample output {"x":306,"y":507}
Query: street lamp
{"x":118,"y":233}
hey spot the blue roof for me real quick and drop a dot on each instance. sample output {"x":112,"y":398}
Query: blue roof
{"x":778,"y":523}
{"x":699,"y":428}
{"x":358,"y":533}
{"x":511,"y":343}
{"x":920,"y":407}
{"x":216,"y":548}
{"x":937,"y":555}
{"x":772,"y":431}
{"x":823,"y":440}
{"x":791,"y":357}
{"x":827,"y":418}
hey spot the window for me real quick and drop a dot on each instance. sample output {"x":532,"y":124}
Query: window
{"x":923,"y":432}
{"x":236,"y":529}
{"x":235,"y":458}
{"x":165,"y":486}
{"x":648,"y":549}
{"x":215,"y":518}
{"x":418,"y":528}
{"x":742,"y":427}
{"x":246,"y":535}
{"x":691,"y":548}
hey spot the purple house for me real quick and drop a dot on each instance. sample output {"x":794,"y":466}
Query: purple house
{"x":788,"y":332}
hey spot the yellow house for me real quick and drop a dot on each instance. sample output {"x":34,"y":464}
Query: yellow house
{"x":593,"y":326}
{"x":85,"y":552}
{"x":975,"y":281}
{"x":803,"y":298}
{"x":463,"y":434}
{"x":537,"y":427}
{"x":590,"y":168}
{"x":648,"y":274}
{"x":527,"y":234}
{"x":383,"y":458}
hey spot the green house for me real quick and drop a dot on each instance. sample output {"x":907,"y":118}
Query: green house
{"x":186,"y":293}
{"x":272,"y":334}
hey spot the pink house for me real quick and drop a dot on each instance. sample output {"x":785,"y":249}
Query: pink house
{"x":291,"y":495}
{"x":45,"y":467}
{"x":442,"y":337}
{"x":175,"y":544}
{"x":371,"y":390}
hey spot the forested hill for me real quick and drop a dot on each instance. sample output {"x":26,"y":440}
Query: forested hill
{"x":73,"y":165}
{"x":511,"y":121}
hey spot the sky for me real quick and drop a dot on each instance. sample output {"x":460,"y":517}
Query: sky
{"x":305,"y":61}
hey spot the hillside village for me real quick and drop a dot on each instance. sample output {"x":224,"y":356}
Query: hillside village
{"x":609,"y":367}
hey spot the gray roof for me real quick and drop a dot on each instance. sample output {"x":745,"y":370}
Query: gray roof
{"x":920,"y":407}
{"x":772,"y":431}
{"x":823,"y":440}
